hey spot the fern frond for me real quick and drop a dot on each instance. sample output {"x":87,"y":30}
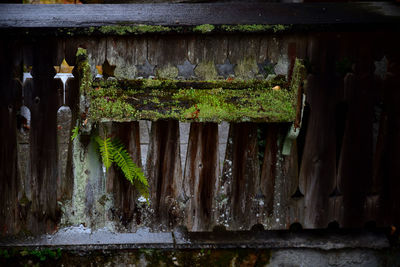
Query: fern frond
{"x":131,"y":171}
{"x":75,"y":133}
{"x":106,"y":150}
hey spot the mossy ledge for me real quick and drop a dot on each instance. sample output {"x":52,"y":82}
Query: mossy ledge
{"x":127,"y":29}
{"x":203,"y":101}
{"x":206,"y":101}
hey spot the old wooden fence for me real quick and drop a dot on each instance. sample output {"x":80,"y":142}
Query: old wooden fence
{"x":343,"y":169}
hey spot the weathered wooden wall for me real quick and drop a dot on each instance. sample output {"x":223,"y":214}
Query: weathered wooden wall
{"x":344,"y":166}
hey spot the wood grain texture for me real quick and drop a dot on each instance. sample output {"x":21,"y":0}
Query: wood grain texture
{"x":43,"y":103}
{"x":165,"y":174}
{"x":201,"y":174}
{"x":245,"y":171}
{"x":195,"y":14}
{"x":9,"y":180}
{"x":124,"y":193}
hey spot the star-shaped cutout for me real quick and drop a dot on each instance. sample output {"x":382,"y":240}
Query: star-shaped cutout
{"x":64,"y":67}
{"x":146,"y":69}
{"x":226,"y":69}
{"x":108,"y":70}
{"x":381,"y":67}
{"x":186,"y":70}
{"x":266,"y":67}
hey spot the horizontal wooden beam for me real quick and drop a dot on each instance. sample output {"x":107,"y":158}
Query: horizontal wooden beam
{"x":76,"y":239}
{"x":226,"y":101}
{"x":71,"y":16}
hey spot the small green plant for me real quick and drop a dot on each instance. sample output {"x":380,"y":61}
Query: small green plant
{"x":75,"y":133}
{"x":113,"y":151}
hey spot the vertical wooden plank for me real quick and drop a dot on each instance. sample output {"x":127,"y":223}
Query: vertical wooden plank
{"x":167,"y":50}
{"x":9,"y":182}
{"x":390,"y":208}
{"x":96,"y":49}
{"x":287,"y":200}
{"x":124,"y":193}
{"x":43,"y":104}
{"x":355,"y":165}
{"x":205,"y":52}
{"x":65,"y":123}
{"x":201,"y":174}
{"x":165,"y":174}
{"x":268,"y":169}
{"x":245,"y":171}
{"x":243,"y":51}
{"x":120,"y":52}
{"x":318,"y":167}
{"x":207,"y":48}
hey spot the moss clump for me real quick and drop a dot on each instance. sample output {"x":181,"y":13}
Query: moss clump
{"x":246,"y":68}
{"x":135,"y":29}
{"x":255,"y":28}
{"x":167,"y":72}
{"x":204,"y":28}
{"x":85,"y":75}
{"x":206,"y":71}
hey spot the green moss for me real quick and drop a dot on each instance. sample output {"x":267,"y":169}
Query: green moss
{"x":298,"y":76}
{"x":167,"y":72}
{"x":246,"y":68}
{"x":204,"y":28}
{"x":206,"y":71}
{"x":204,"y":101}
{"x":251,"y":104}
{"x":135,"y":29}
{"x":128,"y":29}
{"x":166,"y":84}
{"x":85,"y":75}
{"x":255,"y":28}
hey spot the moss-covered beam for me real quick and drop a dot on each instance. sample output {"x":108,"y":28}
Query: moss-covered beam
{"x":128,"y":29}
{"x":204,"y":101}
{"x":113,"y":101}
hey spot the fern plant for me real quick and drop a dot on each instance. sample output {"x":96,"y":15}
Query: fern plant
{"x":113,"y":151}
